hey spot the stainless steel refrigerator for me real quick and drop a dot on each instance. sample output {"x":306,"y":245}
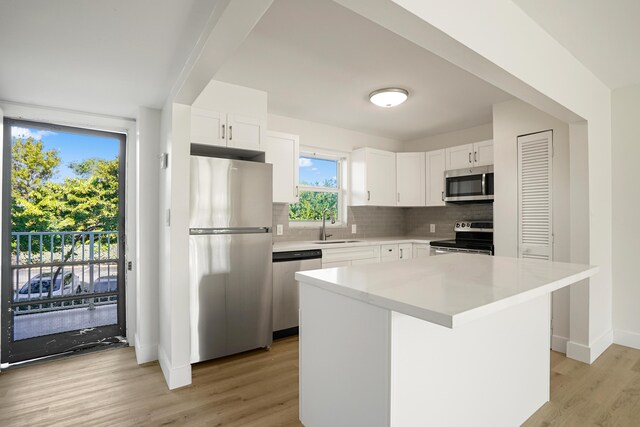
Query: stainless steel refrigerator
{"x":230,"y":257}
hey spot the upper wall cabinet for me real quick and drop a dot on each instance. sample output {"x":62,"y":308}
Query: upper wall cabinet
{"x":410,"y":179}
{"x":228,"y":115}
{"x":282,"y":150}
{"x":435,"y":166}
{"x":207,"y":127}
{"x":459,"y":157}
{"x":373,"y":177}
{"x":483,"y":153}
{"x":470,"y":155}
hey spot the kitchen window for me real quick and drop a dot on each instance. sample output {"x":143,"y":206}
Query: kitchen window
{"x":320,"y":187}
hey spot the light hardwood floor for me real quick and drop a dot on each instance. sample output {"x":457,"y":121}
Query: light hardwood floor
{"x":260,"y":388}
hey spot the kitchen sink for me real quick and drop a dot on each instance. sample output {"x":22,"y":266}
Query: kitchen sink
{"x":327,"y":242}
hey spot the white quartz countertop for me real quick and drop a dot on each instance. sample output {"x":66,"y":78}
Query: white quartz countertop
{"x":449,"y":290}
{"x":304,"y":245}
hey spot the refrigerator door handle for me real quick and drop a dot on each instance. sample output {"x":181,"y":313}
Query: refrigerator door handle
{"x":217,"y":231}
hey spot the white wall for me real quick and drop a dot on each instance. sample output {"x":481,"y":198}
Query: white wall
{"x":173,"y":341}
{"x":146,"y":270}
{"x":626,"y":210}
{"x":510,"y":120}
{"x":580,"y":251}
{"x":450,"y":139}
{"x":229,"y":98}
{"x":333,"y":138}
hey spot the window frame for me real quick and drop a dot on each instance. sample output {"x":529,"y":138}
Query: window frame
{"x":342,"y":160}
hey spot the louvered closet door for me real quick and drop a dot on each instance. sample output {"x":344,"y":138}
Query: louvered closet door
{"x":535,"y":229}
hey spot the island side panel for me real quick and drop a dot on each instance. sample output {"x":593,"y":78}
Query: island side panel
{"x":344,"y":360}
{"x":493,"y":371}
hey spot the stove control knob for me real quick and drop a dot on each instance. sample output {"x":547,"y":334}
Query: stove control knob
{"x":469,"y":224}
{"x":462,"y":225}
{"x":457,"y":225}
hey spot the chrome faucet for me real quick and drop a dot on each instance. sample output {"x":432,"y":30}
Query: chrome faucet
{"x":323,"y":234}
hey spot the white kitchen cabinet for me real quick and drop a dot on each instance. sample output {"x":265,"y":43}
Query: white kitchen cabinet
{"x":365,"y":261}
{"x":405,"y":251}
{"x":421,"y":250}
{"x":470,"y":155}
{"x":341,"y":257}
{"x":228,"y":115}
{"x":244,"y":132}
{"x":373,"y":177}
{"x":410,"y":179}
{"x":483,"y":153}
{"x":346,"y":263}
{"x":226,"y":130}
{"x":435,"y":166}
{"x":459,"y":157}
{"x":207,"y":127}
{"x":282,"y":150}
{"x":389,"y":253}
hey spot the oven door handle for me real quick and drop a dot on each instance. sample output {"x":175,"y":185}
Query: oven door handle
{"x":484,"y":184}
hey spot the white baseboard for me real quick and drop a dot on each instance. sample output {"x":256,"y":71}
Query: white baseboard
{"x":588,"y":354}
{"x":626,"y":338}
{"x":559,"y":343}
{"x":175,"y":377}
{"x":145,"y":353}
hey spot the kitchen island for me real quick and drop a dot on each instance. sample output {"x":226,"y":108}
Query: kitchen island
{"x":452,"y":340}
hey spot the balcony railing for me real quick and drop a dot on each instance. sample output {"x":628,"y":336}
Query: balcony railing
{"x":54,"y":271}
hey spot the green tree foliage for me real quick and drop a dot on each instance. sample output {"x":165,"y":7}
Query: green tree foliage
{"x":33,"y":203}
{"x":90,"y":202}
{"x":85,"y":168}
{"x":86,"y":202}
{"x":311,"y":204}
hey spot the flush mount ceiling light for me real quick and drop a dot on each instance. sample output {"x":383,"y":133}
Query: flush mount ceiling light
{"x":388,"y":97}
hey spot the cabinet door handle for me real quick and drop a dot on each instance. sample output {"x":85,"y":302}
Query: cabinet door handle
{"x":475,"y":156}
{"x":223,"y":132}
{"x":368,"y":195}
{"x":470,"y":158}
{"x":443,"y":196}
{"x":230,"y":133}
{"x":398,"y":197}
{"x":297,"y":191}
{"x":401,"y":255}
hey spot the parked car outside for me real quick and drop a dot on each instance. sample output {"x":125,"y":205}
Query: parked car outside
{"x":38,"y":287}
{"x":105,"y":284}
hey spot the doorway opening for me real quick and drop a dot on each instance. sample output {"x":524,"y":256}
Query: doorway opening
{"x":63,"y":250}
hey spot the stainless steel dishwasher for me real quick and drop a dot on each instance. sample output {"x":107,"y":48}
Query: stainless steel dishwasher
{"x":285,"y":288}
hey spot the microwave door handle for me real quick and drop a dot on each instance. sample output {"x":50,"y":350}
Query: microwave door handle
{"x":484,"y":184}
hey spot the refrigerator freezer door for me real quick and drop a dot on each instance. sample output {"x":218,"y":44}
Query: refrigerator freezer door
{"x":230,"y":193}
{"x":230,"y":291}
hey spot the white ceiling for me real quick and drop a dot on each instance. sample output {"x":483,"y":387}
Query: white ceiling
{"x":105,"y":57}
{"x":319,"y":61}
{"x":603,"y":35}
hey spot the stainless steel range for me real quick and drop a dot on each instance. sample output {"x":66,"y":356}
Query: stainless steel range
{"x":471,"y":237}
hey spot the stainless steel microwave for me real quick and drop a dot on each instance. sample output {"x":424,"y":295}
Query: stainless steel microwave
{"x":469,"y":185}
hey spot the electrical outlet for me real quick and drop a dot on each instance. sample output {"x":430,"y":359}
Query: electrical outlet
{"x":353,"y":229}
{"x":432,"y":228}
{"x":279,"y":229}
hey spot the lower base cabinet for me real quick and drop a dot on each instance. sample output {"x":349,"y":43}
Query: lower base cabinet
{"x":421,"y":250}
{"x":344,"y":257}
{"x":405,"y":250}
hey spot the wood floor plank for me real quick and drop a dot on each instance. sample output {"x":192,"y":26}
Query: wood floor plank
{"x":260,"y":388}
